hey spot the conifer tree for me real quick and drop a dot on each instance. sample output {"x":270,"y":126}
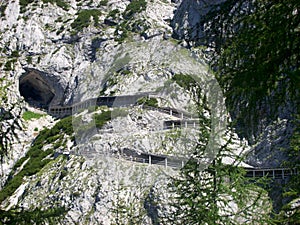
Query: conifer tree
{"x":217,"y":193}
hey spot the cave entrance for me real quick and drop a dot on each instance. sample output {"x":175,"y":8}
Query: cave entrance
{"x":35,"y":90}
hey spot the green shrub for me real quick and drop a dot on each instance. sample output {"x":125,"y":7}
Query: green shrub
{"x":15,"y":53}
{"x":24,"y":3}
{"x":135,"y":6}
{"x":84,"y":18}
{"x":37,"y":156}
{"x":148,"y":101}
{"x":8,"y":65}
{"x":36,"y":216}
{"x":28,"y":115}
{"x":2,"y":9}
{"x":103,"y":3}
{"x":185,"y":81}
{"x":113,"y":13}
{"x":59,"y":3}
{"x":104,"y":117}
{"x":29,"y":59}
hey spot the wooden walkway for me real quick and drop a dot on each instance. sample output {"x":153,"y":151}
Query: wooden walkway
{"x":114,"y":101}
{"x":185,"y":120}
{"x":178,"y":162}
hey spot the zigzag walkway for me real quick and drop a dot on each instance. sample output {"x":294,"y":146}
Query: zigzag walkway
{"x":179,"y":162}
{"x":114,"y":101}
{"x":185,"y":120}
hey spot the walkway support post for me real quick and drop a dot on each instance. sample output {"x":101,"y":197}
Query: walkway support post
{"x":149,"y":159}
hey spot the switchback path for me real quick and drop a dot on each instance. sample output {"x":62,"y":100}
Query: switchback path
{"x":114,"y":101}
{"x":185,"y":120}
{"x":178,"y":162}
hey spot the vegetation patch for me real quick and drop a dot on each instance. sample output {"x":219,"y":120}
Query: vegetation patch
{"x":62,"y":4}
{"x":113,"y":14}
{"x":152,"y":102}
{"x":37,"y":158}
{"x":36,"y":216}
{"x":103,"y":3}
{"x":84,"y":18}
{"x":184,"y":81}
{"x":104,"y":117}
{"x":24,"y":3}
{"x":135,"y":6}
{"x":2,"y":9}
{"x":28,"y":115}
{"x":9,"y":65}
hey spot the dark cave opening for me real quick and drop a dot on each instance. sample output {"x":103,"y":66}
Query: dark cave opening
{"x":35,"y":90}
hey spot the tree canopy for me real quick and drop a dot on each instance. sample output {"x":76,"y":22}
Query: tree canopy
{"x":256,"y":57}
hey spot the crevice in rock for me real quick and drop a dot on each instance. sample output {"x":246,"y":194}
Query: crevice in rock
{"x":40,"y":89}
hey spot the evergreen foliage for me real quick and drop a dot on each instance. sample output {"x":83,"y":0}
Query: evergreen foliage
{"x":256,"y":56}
{"x":36,"y":156}
{"x":289,"y":214}
{"x":60,"y":3}
{"x":185,"y":81}
{"x":217,"y":193}
{"x":210,"y":191}
{"x":103,"y":2}
{"x":152,"y":102}
{"x":257,"y":59}
{"x":135,"y":6}
{"x":84,"y":18}
{"x":37,"y":216}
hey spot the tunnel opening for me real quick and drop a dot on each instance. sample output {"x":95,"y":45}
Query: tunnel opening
{"x":36,"y":91}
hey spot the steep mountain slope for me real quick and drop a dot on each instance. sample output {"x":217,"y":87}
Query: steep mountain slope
{"x":62,"y":52}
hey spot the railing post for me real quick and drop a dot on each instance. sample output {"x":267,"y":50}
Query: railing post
{"x":253,"y":173}
{"x":182,"y":164}
{"x":173,"y":125}
{"x":282,"y":173}
{"x":171,"y":113}
{"x":166,"y":162}
{"x":273,"y":174}
{"x":149,"y":159}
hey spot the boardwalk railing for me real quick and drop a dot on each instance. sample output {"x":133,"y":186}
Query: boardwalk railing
{"x":274,"y":173}
{"x":114,"y":101}
{"x":179,"y":162}
{"x":186,"y":120}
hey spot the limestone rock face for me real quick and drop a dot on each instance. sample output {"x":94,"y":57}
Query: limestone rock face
{"x":56,"y":54}
{"x":188,"y":16}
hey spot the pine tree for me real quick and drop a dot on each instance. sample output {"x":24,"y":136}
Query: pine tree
{"x":290,"y":214}
{"x":256,"y":57}
{"x":217,"y":194}
{"x":211,"y":188}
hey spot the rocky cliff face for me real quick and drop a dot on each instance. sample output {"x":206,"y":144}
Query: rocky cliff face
{"x":61,"y":54}
{"x":270,"y":128}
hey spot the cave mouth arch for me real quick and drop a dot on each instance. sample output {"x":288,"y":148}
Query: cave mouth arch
{"x":36,"y":91}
